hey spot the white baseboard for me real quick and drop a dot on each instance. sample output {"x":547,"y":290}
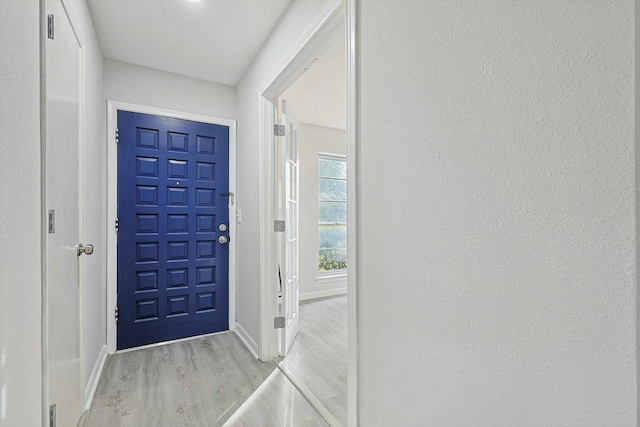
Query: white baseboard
{"x":322,"y":294}
{"x":92,"y":384}
{"x":247,"y":340}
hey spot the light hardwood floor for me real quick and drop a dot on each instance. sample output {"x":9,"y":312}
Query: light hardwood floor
{"x":215,"y":381}
{"x":317,"y":360}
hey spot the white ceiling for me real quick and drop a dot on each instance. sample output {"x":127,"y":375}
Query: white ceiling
{"x":319,"y":96}
{"x":213,"y":40}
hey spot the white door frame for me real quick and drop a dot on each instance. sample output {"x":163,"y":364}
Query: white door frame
{"x":320,"y":35}
{"x":112,"y":205}
{"x":327,"y":26}
{"x":353,"y":162}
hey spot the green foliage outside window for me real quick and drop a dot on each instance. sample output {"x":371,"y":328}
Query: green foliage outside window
{"x":331,"y":259}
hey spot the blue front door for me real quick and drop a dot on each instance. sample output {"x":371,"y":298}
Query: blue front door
{"x":173,"y":184}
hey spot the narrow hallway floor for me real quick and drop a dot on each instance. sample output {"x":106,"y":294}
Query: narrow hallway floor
{"x":206,"y":381}
{"x":216,"y":381}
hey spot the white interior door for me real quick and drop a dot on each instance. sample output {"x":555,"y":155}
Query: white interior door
{"x":63,"y":121}
{"x":290,"y":277}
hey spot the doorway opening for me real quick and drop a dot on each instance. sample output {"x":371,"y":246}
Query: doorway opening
{"x":305,"y":244}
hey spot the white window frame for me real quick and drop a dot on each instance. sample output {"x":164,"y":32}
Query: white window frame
{"x":331,"y":274}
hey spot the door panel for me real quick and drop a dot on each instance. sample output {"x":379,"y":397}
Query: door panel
{"x":63,"y":358}
{"x":291,"y":282}
{"x":173,"y":183}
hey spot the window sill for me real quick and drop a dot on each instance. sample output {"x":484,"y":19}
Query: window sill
{"x":332,"y":277}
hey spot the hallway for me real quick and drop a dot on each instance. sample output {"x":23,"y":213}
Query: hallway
{"x":214,"y":380}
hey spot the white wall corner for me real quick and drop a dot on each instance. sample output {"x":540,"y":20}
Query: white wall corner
{"x":249,"y":342}
{"x":94,"y":379}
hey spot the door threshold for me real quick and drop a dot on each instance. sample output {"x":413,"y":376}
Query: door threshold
{"x":158,"y":344}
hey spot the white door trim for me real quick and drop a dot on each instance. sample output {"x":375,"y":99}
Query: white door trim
{"x":322,"y":32}
{"x":112,"y":204}
{"x":353,"y":284}
{"x":318,"y":35}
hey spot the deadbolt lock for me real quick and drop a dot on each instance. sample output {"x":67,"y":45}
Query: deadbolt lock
{"x":222,"y":227}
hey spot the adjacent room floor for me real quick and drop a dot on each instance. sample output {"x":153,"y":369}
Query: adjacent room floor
{"x":215,"y":381}
{"x":317,"y":360}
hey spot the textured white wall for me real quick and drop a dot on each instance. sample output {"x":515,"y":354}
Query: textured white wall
{"x":95,"y":195}
{"x":146,"y":86}
{"x":278,"y":46}
{"x":315,"y":140}
{"x":20,"y":239}
{"x":497,"y":148}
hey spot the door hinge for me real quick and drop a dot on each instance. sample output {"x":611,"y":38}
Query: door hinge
{"x":52,"y":221}
{"x":278,"y":322}
{"x":117,"y":225}
{"x":50,"y":26}
{"x":279,"y":130}
{"x":279,"y":226}
{"x":116,"y":314}
{"x":117,"y":136}
{"x":52,"y":416}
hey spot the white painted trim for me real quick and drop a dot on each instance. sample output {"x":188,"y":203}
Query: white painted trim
{"x":353,"y":183}
{"x":112,"y":213}
{"x":268,"y":285}
{"x":81,"y":202}
{"x":332,"y":155}
{"x":308,"y":43}
{"x":44,"y":325}
{"x":66,"y":4}
{"x":249,"y":342}
{"x":268,"y":348}
{"x":330,"y":278}
{"x":112,"y":204}
{"x":322,"y":294}
{"x":317,"y":36}
{"x":94,"y":378}
{"x":233,"y":224}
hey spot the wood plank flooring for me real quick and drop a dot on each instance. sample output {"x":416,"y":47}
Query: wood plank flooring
{"x":317,"y":360}
{"x":216,"y":381}
{"x":200,"y":382}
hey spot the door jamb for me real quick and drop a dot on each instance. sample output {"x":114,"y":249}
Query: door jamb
{"x":353,"y":174}
{"x":322,"y":32}
{"x":318,"y":32}
{"x":112,"y":205}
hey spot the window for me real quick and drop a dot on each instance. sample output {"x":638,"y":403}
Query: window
{"x":332,"y":214}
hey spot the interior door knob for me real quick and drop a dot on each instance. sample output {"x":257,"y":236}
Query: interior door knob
{"x":87,"y":250}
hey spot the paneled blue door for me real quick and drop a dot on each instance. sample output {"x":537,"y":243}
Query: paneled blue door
{"x":173,"y":184}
